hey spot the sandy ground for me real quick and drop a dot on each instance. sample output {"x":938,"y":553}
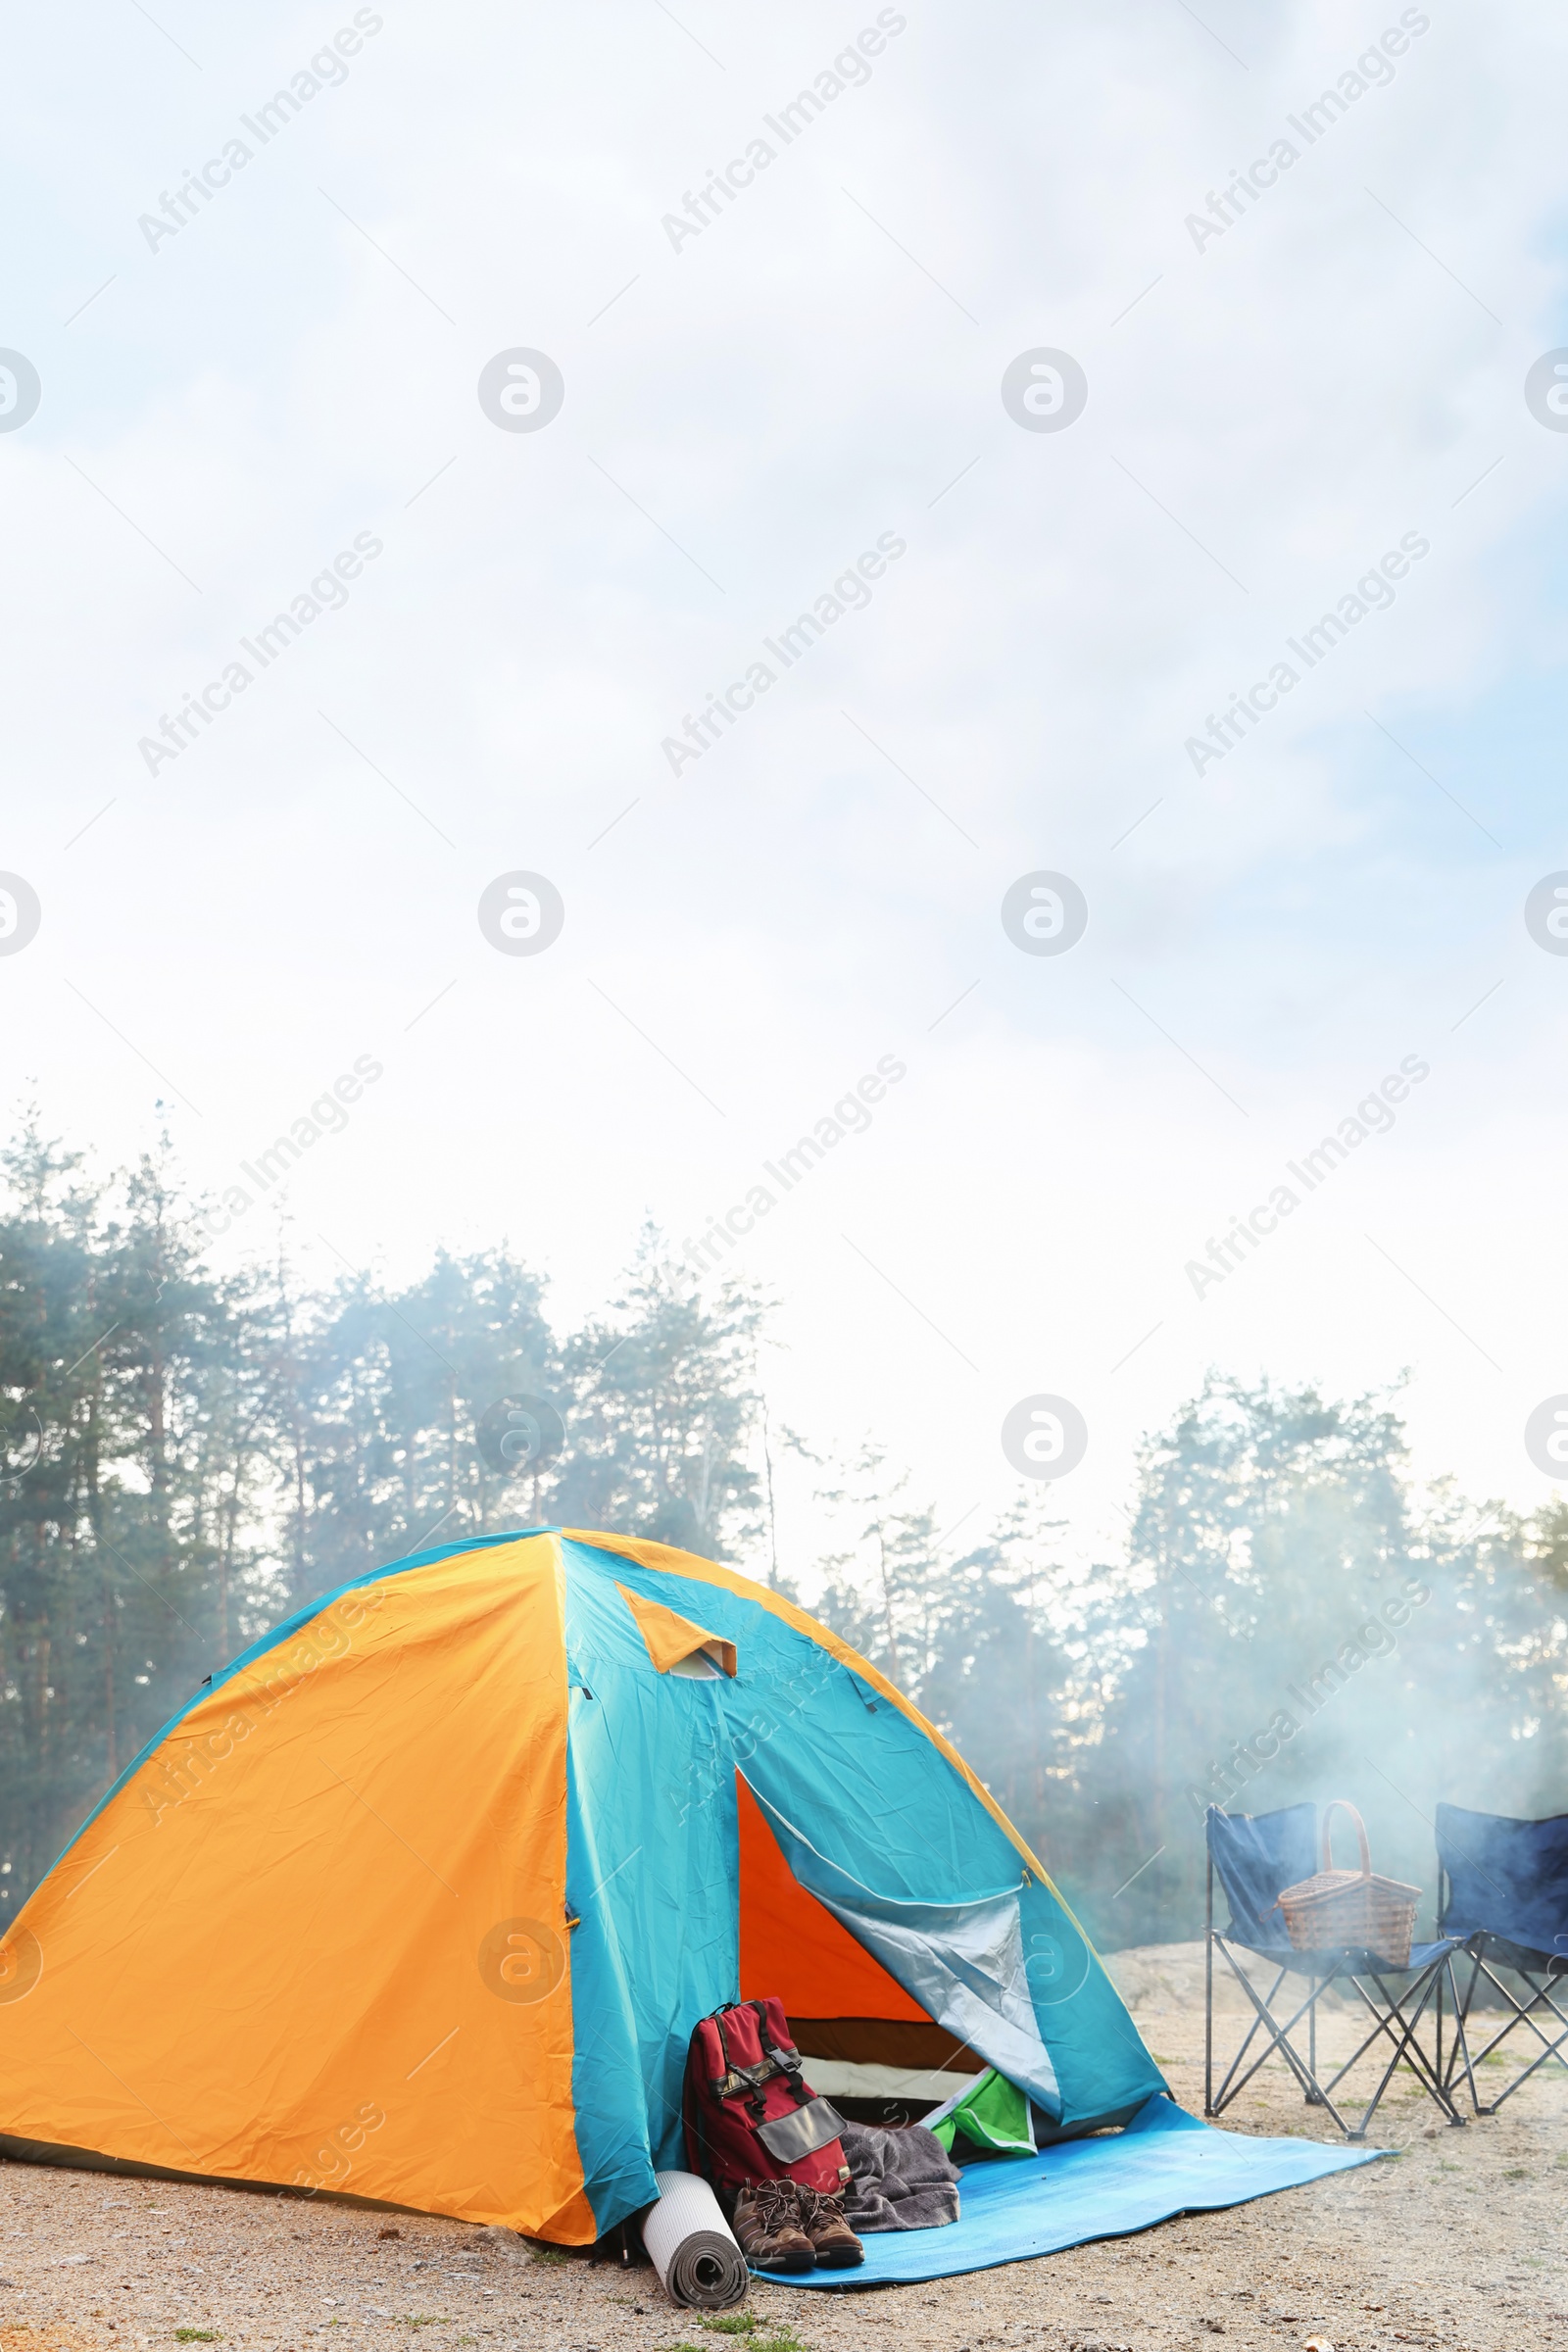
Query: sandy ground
{"x":1456,"y":2241}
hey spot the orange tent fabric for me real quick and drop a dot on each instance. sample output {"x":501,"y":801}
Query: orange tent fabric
{"x":672,"y":1638}
{"x":793,"y":1946}
{"x":296,"y":1837}
{"x":421,"y":1897}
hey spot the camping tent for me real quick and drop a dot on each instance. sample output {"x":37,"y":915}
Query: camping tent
{"x":421,"y":1898}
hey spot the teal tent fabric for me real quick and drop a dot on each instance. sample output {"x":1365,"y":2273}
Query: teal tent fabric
{"x":963,"y":1961}
{"x":1164,"y":2163}
{"x":652,"y":1874}
{"x":872,"y":1818}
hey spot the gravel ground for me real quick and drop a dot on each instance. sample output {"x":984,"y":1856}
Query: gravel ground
{"x":1456,"y":2242}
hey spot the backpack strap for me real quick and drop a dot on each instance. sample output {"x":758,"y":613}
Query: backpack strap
{"x":736,"y":2079}
{"x":786,"y":2062}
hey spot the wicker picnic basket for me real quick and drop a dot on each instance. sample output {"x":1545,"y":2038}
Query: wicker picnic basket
{"x":1354,"y":1909}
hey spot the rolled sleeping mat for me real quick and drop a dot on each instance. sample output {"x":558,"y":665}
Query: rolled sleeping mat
{"x":692,"y":2246}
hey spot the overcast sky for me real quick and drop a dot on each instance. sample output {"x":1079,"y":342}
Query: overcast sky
{"x":243,"y":383}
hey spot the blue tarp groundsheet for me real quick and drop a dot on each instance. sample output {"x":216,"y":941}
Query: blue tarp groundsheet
{"x":1164,"y":2163}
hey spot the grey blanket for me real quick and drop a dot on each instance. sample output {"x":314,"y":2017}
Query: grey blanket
{"x":902,"y":2179}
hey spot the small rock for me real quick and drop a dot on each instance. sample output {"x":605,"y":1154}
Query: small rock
{"x":506,"y":2242}
{"x":380,"y":2234}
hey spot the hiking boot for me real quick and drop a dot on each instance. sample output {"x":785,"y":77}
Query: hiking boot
{"x":767,"y":2227}
{"x":833,"y":2241}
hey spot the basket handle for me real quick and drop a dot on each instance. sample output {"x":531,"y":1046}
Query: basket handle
{"x":1342,"y":1805}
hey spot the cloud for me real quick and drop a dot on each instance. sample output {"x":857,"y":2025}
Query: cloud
{"x":743,"y":415}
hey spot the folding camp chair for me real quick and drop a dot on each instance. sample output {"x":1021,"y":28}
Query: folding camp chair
{"x":1256,"y":1858}
{"x":1503,"y":1889}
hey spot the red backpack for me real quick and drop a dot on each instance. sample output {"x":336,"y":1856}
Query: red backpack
{"x":749,"y":2114}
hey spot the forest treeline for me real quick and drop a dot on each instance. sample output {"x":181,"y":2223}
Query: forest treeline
{"x":188,"y":1456}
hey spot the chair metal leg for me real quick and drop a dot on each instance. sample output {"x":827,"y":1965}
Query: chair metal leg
{"x":1522,"y":2015}
{"x":1209,"y":1993}
{"x":1229,"y":2088}
{"x":1277,"y":2037}
{"x":1360,"y":2050}
{"x":1381,"y":2027}
{"x":1553,"y":2049}
{"x":1447,"y":2067}
{"x":1406,"y":2044}
{"x":1459,"y":2052}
